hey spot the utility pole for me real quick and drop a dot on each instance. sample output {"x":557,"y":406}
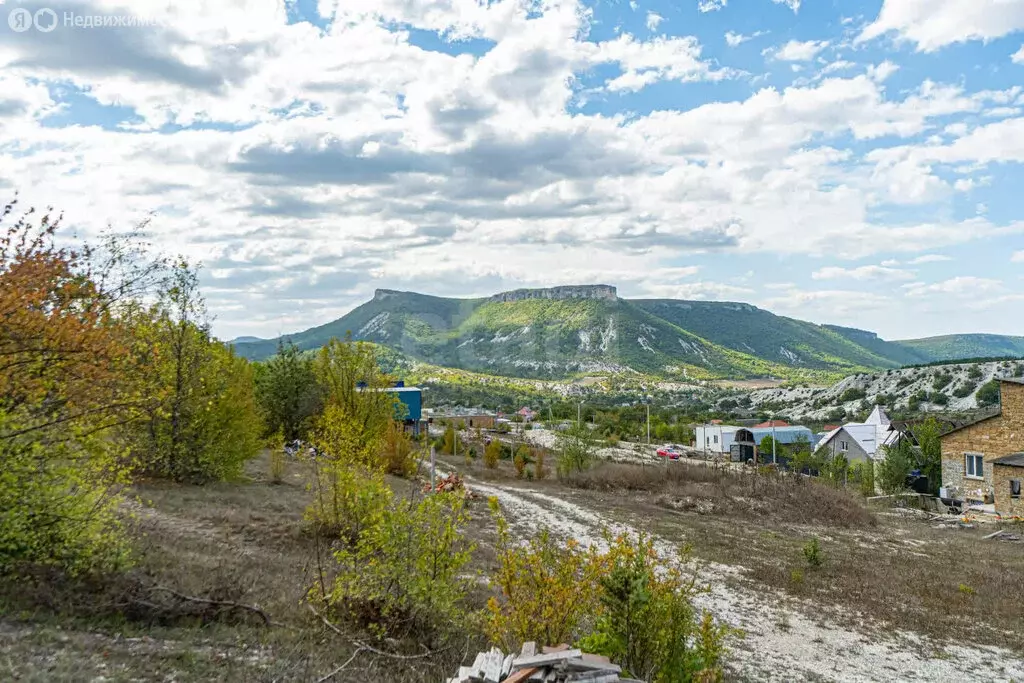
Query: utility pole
{"x":773,"y":439}
{"x":647,"y":403}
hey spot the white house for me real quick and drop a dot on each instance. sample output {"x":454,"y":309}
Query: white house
{"x":861,"y":440}
{"x":715,"y":438}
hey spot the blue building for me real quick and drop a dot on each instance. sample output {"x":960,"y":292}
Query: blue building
{"x":411,"y":398}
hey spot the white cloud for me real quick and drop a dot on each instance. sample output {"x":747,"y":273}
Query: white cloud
{"x":861,"y":273}
{"x":838,"y":65}
{"x":711,"y":5}
{"x":653,"y":19}
{"x":633,"y":5}
{"x":962,"y":286}
{"x":791,"y":4}
{"x":881,"y":72}
{"x":933,"y":25}
{"x":929,"y":258}
{"x":1018,"y":56}
{"x":471,"y":173}
{"x":1018,"y":257}
{"x":643,"y":63}
{"x":799,"y":51}
{"x":736,"y":39}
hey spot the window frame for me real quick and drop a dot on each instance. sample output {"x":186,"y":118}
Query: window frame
{"x":844,"y":446}
{"x":975,"y":459}
{"x":1013,"y":495}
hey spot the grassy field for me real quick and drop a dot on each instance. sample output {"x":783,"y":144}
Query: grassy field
{"x":245,"y":543}
{"x":241,"y":542}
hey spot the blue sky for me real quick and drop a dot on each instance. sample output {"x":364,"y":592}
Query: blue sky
{"x":855,"y":163}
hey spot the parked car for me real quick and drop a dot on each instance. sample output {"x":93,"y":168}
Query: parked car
{"x":668,"y":452}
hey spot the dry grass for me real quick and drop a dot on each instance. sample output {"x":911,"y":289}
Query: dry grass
{"x":731,"y":492}
{"x":234,"y":542}
{"x":893,"y":570}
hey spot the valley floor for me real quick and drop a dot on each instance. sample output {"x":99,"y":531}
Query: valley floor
{"x":897,"y":600}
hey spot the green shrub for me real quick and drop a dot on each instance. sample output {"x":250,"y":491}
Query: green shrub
{"x":402,"y":578}
{"x":813,"y":554}
{"x":628,"y":603}
{"x":974,"y":372}
{"x":852,"y":394}
{"x":492,"y":454}
{"x":938,"y":398}
{"x":941,"y":380}
{"x":546,"y":588}
{"x":964,"y":389}
{"x":346,"y":499}
{"x":648,"y":623}
{"x":988,"y":394}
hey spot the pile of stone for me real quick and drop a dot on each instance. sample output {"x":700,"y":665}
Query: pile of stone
{"x":453,"y":482}
{"x":556,"y":664}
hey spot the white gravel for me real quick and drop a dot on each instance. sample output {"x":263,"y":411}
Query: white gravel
{"x":782,"y":642}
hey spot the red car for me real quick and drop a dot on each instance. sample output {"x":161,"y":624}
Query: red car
{"x":668,"y":452}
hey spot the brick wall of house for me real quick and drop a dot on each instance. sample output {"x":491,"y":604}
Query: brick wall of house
{"x":1001,"y":476}
{"x":993,"y":438}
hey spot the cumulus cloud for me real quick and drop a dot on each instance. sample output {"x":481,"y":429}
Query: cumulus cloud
{"x":653,"y":20}
{"x":1018,"y":56}
{"x":1018,"y":257}
{"x":799,"y":51}
{"x":933,"y":25}
{"x":307,"y":164}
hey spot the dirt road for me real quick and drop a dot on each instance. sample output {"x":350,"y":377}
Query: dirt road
{"x":783,"y":641}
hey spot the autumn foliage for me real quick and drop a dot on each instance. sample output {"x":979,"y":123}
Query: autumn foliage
{"x":65,"y":378}
{"x":97,"y":386}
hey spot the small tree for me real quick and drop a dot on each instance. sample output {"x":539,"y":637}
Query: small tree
{"x":492,"y":454}
{"x":891,"y":473}
{"x":576,"y":447}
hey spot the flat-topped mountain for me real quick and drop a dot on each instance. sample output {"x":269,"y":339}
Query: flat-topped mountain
{"x":559,"y":331}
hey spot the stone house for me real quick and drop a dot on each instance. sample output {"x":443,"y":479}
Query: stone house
{"x":983,"y":461}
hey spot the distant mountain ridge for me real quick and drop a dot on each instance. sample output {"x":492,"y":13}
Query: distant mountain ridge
{"x":560,"y":331}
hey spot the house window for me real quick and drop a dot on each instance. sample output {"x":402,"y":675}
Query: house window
{"x":844,"y":446}
{"x":1015,"y":488}
{"x":974,"y":466}
{"x":716,"y":438}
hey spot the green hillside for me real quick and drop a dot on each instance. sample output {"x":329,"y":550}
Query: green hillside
{"x":754,"y":331}
{"x":568,"y":331}
{"x":894,"y":351}
{"x":958,"y":346}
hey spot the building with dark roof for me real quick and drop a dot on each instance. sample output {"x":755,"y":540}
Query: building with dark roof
{"x":983,"y":460}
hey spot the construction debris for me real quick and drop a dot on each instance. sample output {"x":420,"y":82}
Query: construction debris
{"x":453,"y":482}
{"x":558,"y":664}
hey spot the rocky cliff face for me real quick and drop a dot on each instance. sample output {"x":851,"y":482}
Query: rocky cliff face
{"x":606,"y":292}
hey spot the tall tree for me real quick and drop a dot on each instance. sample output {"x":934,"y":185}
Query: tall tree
{"x":928,"y":435}
{"x":202,"y":423}
{"x":288,"y":393}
